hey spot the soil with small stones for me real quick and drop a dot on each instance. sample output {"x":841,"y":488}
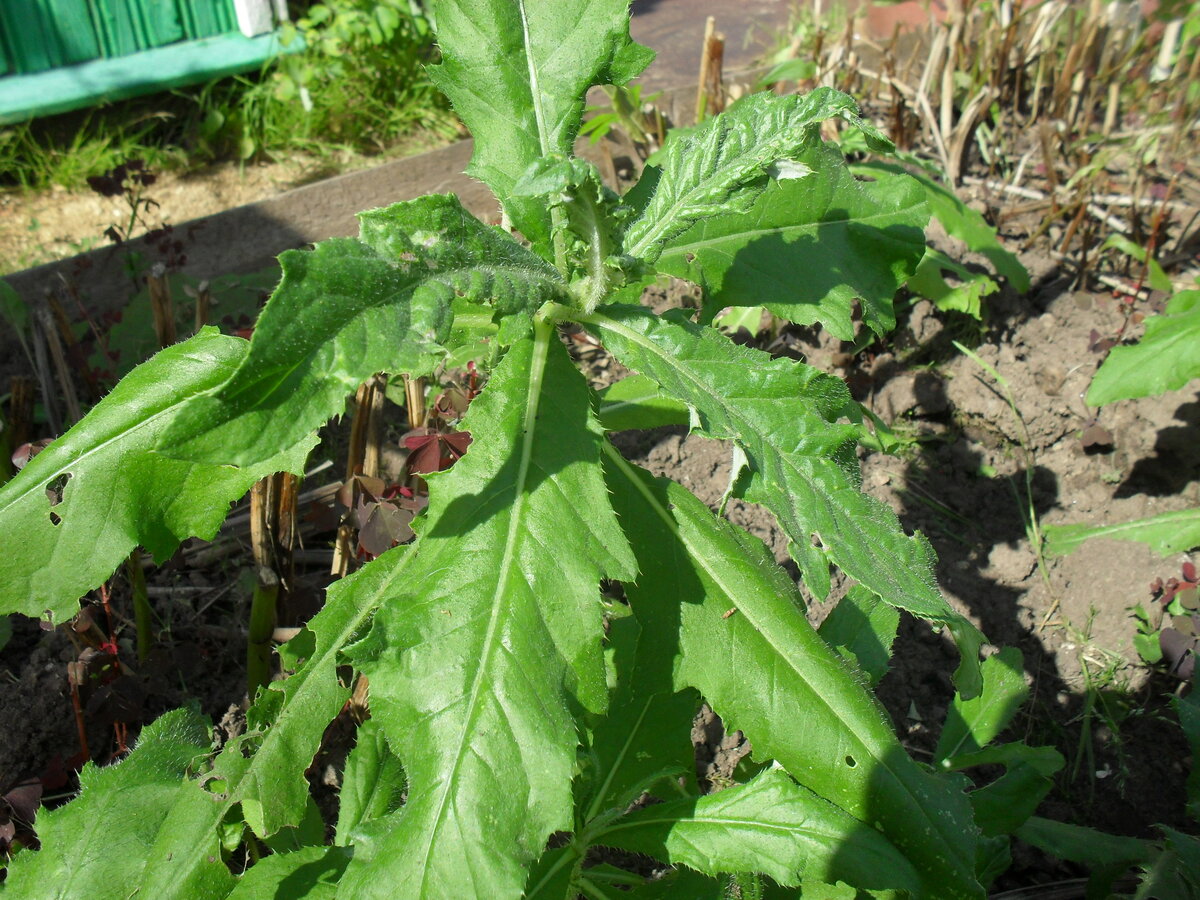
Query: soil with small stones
{"x":966,"y":479}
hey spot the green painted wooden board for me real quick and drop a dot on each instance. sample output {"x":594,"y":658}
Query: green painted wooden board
{"x":102,"y":80}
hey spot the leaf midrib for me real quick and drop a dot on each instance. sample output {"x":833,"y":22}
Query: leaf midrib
{"x":535,"y":89}
{"x":541,"y":346}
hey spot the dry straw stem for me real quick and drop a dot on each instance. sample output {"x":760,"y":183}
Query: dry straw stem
{"x":362,"y":457}
{"x":710,"y":98}
{"x":161,"y":305}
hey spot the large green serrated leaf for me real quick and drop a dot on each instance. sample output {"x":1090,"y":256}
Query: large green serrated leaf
{"x":720,"y":168}
{"x":1166,"y":533}
{"x":517,"y":72}
{"x":115,"y":492}
{"x":1165,"y":359}
{"x":783,"y":414}
{"x":741,"y":627}
{"x":960,"y":221}
{"x":973,"y":724}
{"x":769,"y":825}
{"x":810,"y":246}
{"x":350,"y":308}
{"x":863,"y":627}
{"x":114,"y":820}
{"x":474,"y":653}
{"x":310,"y":873}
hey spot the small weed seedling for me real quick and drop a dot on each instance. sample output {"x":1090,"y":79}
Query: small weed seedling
{"x":521,"y":717}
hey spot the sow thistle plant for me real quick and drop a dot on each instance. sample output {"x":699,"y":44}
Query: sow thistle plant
{"x":519,"y":716}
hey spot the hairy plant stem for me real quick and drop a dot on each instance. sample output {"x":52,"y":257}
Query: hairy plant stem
{"x":262,"y":623}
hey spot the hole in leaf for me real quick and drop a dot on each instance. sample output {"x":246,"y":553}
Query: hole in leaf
{"x":851,"y":762}
{"x":55,"y":519}
{"x":55,"y":488}
{"x":690,"y":257}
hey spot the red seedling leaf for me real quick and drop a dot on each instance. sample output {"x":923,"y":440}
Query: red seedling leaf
{"x":382,"y":525}
{"x":1179,"y":652}
{"x":434,"y":451}
{"x":1096,"y":437}
{"x":23,"y":454}
{"x":425,"y":454}
{"x":1189,"y":572}
{"x":23,"y":800}
{"x":1098,"y":344}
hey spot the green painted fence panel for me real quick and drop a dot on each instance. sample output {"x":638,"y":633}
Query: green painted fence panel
{"x":46,"y":34}
{"x":206,"y":19}
{"x":36,"y":35}
{"x":126,"y":27}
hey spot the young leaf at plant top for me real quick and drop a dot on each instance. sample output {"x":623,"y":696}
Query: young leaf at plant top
{"x":82,"y":504}
{"x":517,"y":72}
{"x":723,"y":165}
{"x":811,"y":245}
{"x":733,"y":621}
{"x":350,"y":308}
{"x":116,"y":817}
{"x":803,"y":466}
{"x":592,"y":213}
{"x":473,"y":653}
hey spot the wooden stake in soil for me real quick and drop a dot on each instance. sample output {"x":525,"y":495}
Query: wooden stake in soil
{"x":710,"y":98}
{"x":161,"y":305}
{"x":41,"y":362}
{"x":59,"y":357}
{"x":364,"y":450}
{"x":20,"y":410}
